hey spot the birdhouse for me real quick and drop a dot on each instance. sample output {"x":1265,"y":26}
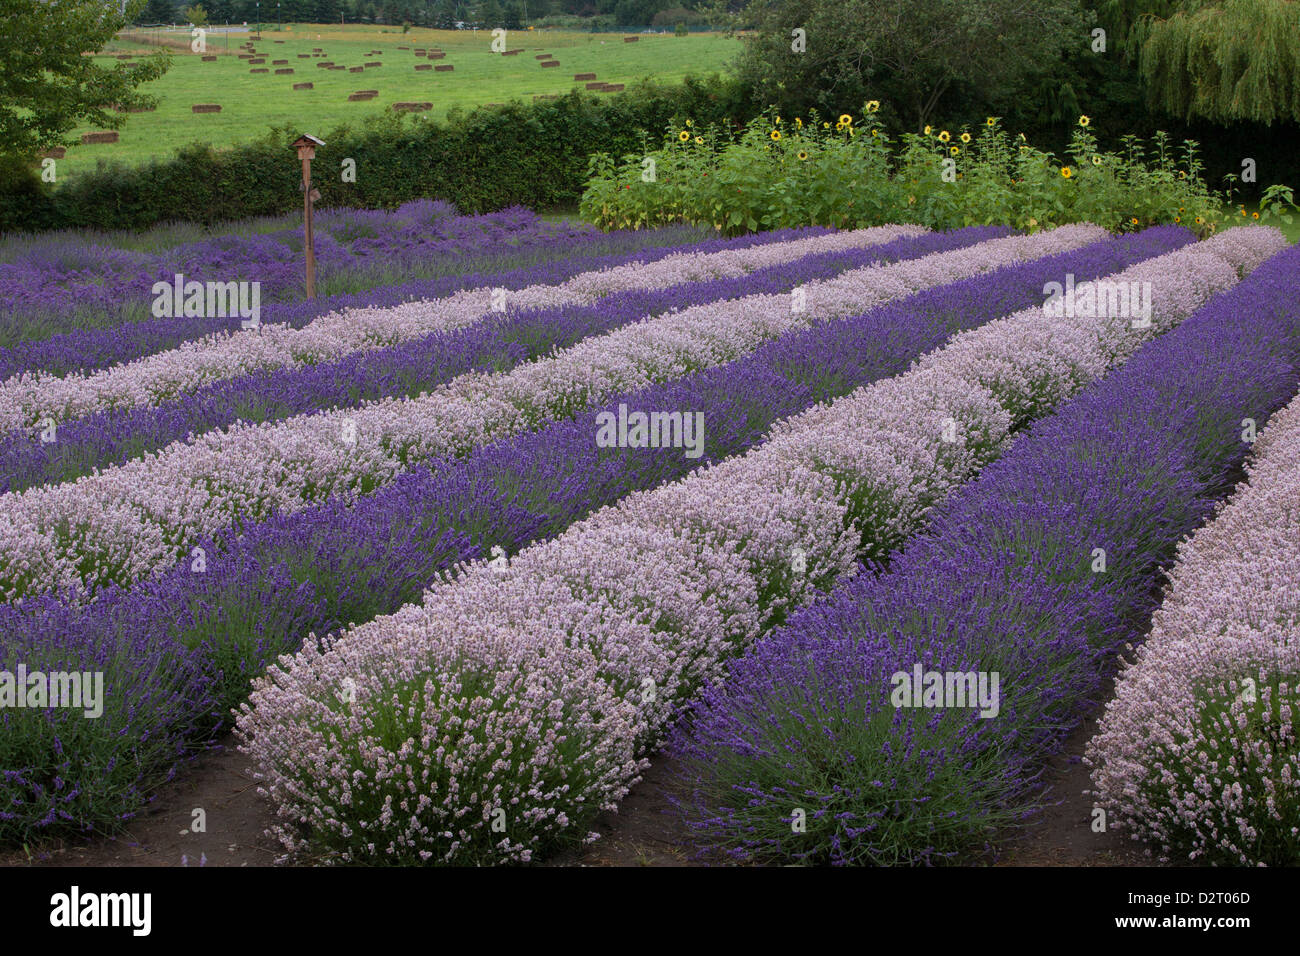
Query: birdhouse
{"x":306,"y":145}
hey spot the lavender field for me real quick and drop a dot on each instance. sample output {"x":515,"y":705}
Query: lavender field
{"x":844,"y":531}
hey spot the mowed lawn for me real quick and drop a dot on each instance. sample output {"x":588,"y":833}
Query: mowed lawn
{"x":252,"y":102}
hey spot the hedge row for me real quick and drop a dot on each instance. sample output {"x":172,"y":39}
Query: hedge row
{"x":533,"y":155}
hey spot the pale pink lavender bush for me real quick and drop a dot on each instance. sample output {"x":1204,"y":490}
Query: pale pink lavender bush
{"x":614,"y":625}
{"x":32,"y":397}
{"x":1198,"y":752}
{"x":130,"y":520}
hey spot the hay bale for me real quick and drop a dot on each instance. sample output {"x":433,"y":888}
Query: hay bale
{"x":613,"y":88}
{"x":367,"y":92}
{"x":546,"y":63}
{"x":356,"y":69}
{"x":579,"y":77}
{"x":209,"y":59}
{"x":437,"y":56}
{"x":325,"y":64}
{"x":423,"y":66}
{"x":444,"y":69}
{"x":372,"y":63}
{"x":356,"y":97}
{"x":279,"y":62}
{"x":260,"y":59}
{"x":544,"y":56}
{"x":107,"y":136}
{"x":56,"y":153}
{"x":302,"y":86}
{"x":412,"y":107}
{"x":597,"y":86}
{"x":512,"y":52}
{"x":284,"y":71}
{"x":259,"y":69}
{"x":631,"y":39}
{"x":205,"y":108}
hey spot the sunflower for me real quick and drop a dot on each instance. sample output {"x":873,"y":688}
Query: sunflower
{"x":954,"y":150}
{"x":1254,"y":215}
{"x":1243,"y":210}
{"x":965,"y":137}
{"x":927,"y":130}
{"x":1200,"y":220}
{"x":1096,"y":160}
{"x":778,"y":121}
{"x":826,"y":125}
{"x":690,"y":122}
{"x":683,"y":136}
{"x":798,"y":123}
{"x":873,"y":106}
{"x":945,"y":136}
{"x":1084,"y":121}
{"x":1133,"y":220}
{"x":1024,"y":149}
{"x":875,"y":132}
{"x":1178,"y":218}
{"x":699,"y":141}
{"x":776,"y":135}
{"x":1182,"y":174}
{"x":846,"y":119}
{"x":991,"y":122}
{"x":1066,"y":172}
{"x":802,"y":154}
{"x":1022,"y":137}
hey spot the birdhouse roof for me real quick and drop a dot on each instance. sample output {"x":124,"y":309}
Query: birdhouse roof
{"x":306,"y":139}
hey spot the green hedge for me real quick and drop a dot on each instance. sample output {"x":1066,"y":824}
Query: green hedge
{"x":517,"y":154}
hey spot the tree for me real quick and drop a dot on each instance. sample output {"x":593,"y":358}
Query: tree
{"x":159,"y":11}
{"x":514,"y":16}
{"x":195,"y":15}
{"x":327,"y":11}
{"x":1236,"y":60}
{"x":47,"y":88}
{"x":908,"y":53}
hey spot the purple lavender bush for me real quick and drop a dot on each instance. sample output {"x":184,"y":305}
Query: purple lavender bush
{"x":1005,"y":581}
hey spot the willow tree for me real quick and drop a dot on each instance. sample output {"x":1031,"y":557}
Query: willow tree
{"x":1220,"y":61}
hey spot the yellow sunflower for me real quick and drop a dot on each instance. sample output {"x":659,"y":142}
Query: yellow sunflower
{"x":1200,"y":220}
{"x":945,"y":136}
{"x":1084,"y":121}
{"x":954,"y":150}
{"x":699,"y":141}
{"x":1096,"y":160}
{"x":798,"y":122}
{"x":1254,"y":215}
{"x":927,"y":130}
{"x":991,"y":121}
{"x":802,"y":154}
{"x":846,"y":119}
{"x":965,"y":137}
{"x":1066,"y":172}
{"x":873,"y":106}
{"x":776,"y":135}
{"x":683,"y":136}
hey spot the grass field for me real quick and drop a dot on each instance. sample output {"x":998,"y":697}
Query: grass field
{"x":251,"y":102}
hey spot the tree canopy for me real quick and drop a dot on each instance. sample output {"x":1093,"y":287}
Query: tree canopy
{"x":909,"y":53}
{"x":48,"y":86}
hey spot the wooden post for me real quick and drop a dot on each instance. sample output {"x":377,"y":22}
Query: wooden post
{"x":306,"y":146}
{"x":308,"y":244}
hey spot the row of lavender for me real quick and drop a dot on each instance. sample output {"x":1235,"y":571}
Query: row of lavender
{"x":109,"y":336}
{"x":491,"y":721}
{"x":1032,"y":581}
{"x":1197,"y":753}
{"x":127,"y":521}
{"x":340,"y":359}
{"x":342,"y":561}
{"x":61,"y":284}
